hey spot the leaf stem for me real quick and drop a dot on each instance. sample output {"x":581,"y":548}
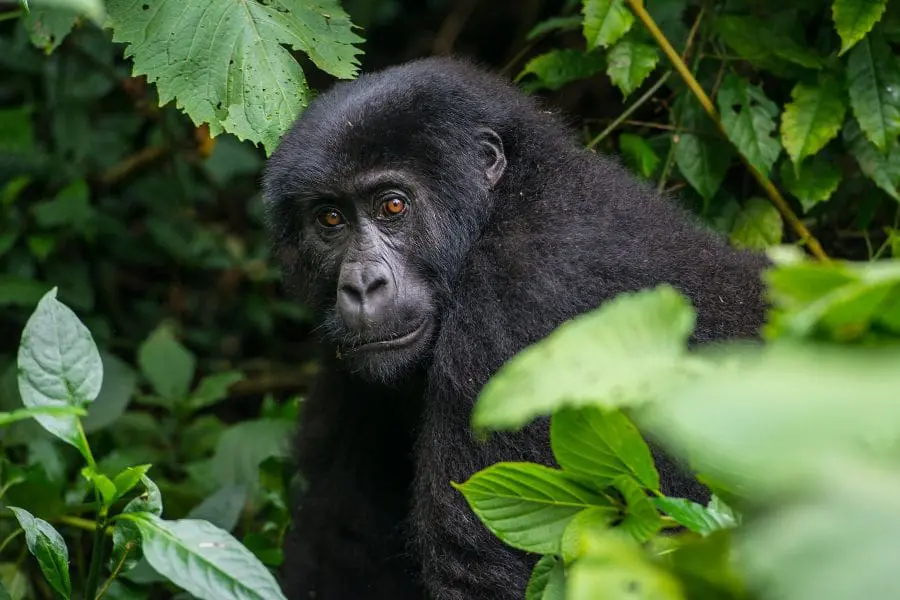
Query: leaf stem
{"x":90,"y":589}
{"x":115,"y":572}
{"x":629,"y":111}
{"x":775,"y":196}
{"x":13,"y":14}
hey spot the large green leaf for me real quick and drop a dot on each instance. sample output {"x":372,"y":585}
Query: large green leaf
{"x":228,"y":63}
{"x":49,"y":548}
{"x":873,"y":77}
{"x":883,"y":169}
{"x":528,"y":506}
{"x":204,"y":560}
{"x":167,"y":364}
{"x":813,"y":118}
{"x":558,"y":67}
{"x":853,"y":19}
{"x":605,"y":22}
{"x":601,"y":445}
{"x":749,"y":119}
{"x":813,"y":182}
{"x":59,"y":365}
{"x":758,"y":225}
{"x":630,"y":62}
{"x":618,"y":354}
{"x":701,"y":154}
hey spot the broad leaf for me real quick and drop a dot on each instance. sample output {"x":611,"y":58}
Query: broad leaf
{"x":758,"y":226}
{"x":814,"y":182}
{"x":238,"y":75}
{"x":167,"y":364}
{"x":582,"y":530}
{"x":638,"y":154}
{"x":89,"y":8}
{"x":883,"y":169}
{"x":755,"y":40}
{"x":128,"y":478}
{"x":873,"y":77}
{"x":695,"y":517}
{"x":813,"y":118}
{"x":59,"y":365}
{"x":605,"y":22}
{"x":701,"y":154}
{"x":616,"y":355}
{"x":244,"y":446}
{"x":127,"y":550}
{"x":213,"y":388}
{"x":853,"y":19}
{"x":641,"y":517}
{"x":601,"y":445}
{"x":49,"y":27}
{"x":204,"y":560}
{"x":547,"y":580}
{"x":528,"y":506}
{"x":749,"y":119}
{"x":630,"y":62}
{"x":559,"y":67}
{"x":49,"y":548}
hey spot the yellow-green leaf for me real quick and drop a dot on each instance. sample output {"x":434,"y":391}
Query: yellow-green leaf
{"x":630,"y":62}
{"x":813,"y":118}
{"x":605,"y":22}
{"x":853,"y":19}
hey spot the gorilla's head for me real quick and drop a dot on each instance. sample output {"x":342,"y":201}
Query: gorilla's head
{"x":376,"y":195}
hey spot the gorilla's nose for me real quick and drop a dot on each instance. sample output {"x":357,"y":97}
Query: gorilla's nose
{"x":365,"y":295}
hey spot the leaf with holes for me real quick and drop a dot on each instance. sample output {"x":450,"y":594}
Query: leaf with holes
{"x":813,"y":118}
{"x":605,"y":22}
{"x":853,"y":19}
{"x":814,"y":182}
{"x":758,"y":226}
{"x":749,"y":119}
{"x":630,"y":62}
{"x":873,"y":77}
{"x":228,"y":63}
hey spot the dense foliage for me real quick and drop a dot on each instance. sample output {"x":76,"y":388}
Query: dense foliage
{"x":128,"y":189}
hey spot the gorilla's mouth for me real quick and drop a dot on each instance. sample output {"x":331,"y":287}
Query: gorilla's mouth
{"x":394,"y":342}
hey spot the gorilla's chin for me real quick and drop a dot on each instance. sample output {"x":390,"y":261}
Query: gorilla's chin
{"x":387,"y":360}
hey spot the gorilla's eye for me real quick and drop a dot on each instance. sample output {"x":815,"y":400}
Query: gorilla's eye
{"x":393,"y":205}
{"x":330,"y":217}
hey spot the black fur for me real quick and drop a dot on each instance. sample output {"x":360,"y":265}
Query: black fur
{"x":562,"y":231}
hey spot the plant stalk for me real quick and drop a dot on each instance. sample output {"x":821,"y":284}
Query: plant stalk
{"x":90,"y":589}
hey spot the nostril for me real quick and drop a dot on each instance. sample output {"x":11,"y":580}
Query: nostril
{"x":351,"y":292}
{"x":376,"y":286}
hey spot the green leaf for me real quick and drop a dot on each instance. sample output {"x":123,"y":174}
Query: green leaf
{"x":204,"y":560}
{"x":630,"y":62}
{"x":601,"y":445}
{"x":873,"y":77}
{"x":167,"y":365}
{"x":817,"y":180}
{"x":702,"y":157}
{"x":759,"y":43}
{"x":127,"y":548}
{"x":638,"y":154}
{"x":238,"y":75}
{"x":758,"y":226}
{"x":49,"y":548}
{"x":557,"y":68}
{"x":128,"y":478}
{"x":59,"y":365}
{"x":528,"y":506}
{"x":883,"y":169}
{"x":582,"y":530}
{"x":547,"y":580}
{"x":554,"y":24}
{"x":29,"y":413}
{"x":92,"y":9}
{"x":749,"y":119}
{"x":4,"y":593}
{"x":244,"y":446}
{"x":641,"y":517}
{"x":101,"y":483}
{"x":213,"y":388}
{"x":694,"y":516}
{"x":605,"y":22}
{"x":853,"y":19}
{"x":611,"y":356}
{"x":47,"y":28}
{"x":70,"y":208}
{"x":17,"y":130}
{"x":223,"y":508}
{"x":813,"y":119}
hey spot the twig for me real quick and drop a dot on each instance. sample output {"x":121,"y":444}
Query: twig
{"x":630,"y":110}
{"x":452,"y":26}
{"x":132,"y":163}
{"x":775,"y":196}
{"x":115,"y":572}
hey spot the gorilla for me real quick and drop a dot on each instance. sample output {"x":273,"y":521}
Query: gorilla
{"x":437,"y":220}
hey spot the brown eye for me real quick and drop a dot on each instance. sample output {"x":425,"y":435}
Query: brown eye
{"x":330,"y":218}
{"x":393,"y":206}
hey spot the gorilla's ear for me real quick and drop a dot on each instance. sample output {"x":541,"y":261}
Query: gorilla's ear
{"x":492,"y":152}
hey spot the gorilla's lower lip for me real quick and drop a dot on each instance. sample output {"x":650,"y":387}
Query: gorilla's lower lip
{"x":396,"y":342}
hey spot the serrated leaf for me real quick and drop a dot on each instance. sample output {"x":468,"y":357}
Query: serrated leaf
{"x":630,"y":62}
{"x":641,"y":517}
{"x":547,"y":580}
{"x":757,"y":42}
{"x":853,"y":19}
{"x":641,"y":338}
{"x":758,"y":226}
{"x":59,"y":365}
{"x":559,"y":67}
{"x":749,"y":119}
{"x":638,"y":154}
{"x":813,"y":118}
{"x":237,"y":75}
{"x":528,"y":506}
{"x":695,"y":517}
{"x":816,"y":181}
{"x":554,"y":24}
{"x":605,"y":22}
{"x":167,"y":364}
{"x":204,"y":560}
{"x":883,"y":169}
{"x":702,"y":157}
{"x":213,"y":388}
{"x":873,"y":77}
{"x":49,"y":548}
{"x":601,"y":445}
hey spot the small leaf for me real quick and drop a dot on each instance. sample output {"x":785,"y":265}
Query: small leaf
{"x":101,"y":483}
{"x":559,"y":67}
{"x":126,"y":536}
{"x":49,"y":548}
{"x":641,"y":336}
{"x":638,"y":154}
{"x":528,"y":506}
{"x":630,"y":62}
{"x":816,"y":181}
{"x":605,"y":22}
{"x":167,"y":365}
{"x":641,"y":517}
{"x":128,"y":478}
{"x":553,"y":24}
{"x":547,"y":580}
{"x":873,"y":77}
{"x":702,"y":157}
{"x":883,"y":169}
{"x":758,"y":226}
{"x":204,"y":560}
{"x":813,"y":119}
{"x":213,"y":388}
{"x":601,"y":445}
{"x":749,"y":120}
{"x":694,"y":516}
{"x":59,"y":365}
{"x":853,"y":19}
